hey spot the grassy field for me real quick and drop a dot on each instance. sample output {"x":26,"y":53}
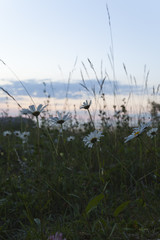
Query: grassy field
{"x":60,"y":176}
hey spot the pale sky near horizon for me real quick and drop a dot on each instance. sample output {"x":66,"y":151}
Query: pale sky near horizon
{"x":40,"y":37}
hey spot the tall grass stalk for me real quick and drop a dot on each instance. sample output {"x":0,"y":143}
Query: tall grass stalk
{"x":91,"y":118}
{"x":18,"y":80}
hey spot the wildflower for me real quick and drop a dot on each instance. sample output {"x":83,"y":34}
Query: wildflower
{"x":71,"y":138}
{"x":137,"y":131}
{"x":92,"y":138}
{"x":58,"y":236}
{"x":60,"y":119}
{"x":6,"y":133}
{"x":152,"y":132}
{"x":86,"y":104}
{"x":24,"y":136}
{"x":34,"y":111}
{"x":17,"y":133}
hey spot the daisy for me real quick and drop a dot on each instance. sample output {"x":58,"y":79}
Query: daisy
{"x":92,"y":138}
{"x":86,"y":105}
{"x":71,"y":138}
{"x":6,"y":133}
{"x":61,"y":118}
{"x":23,"y":136}
{"x":137,"y":131}
{"x":152,"y":132}
{"x":17,"y":133}
{"x":33,"y":110}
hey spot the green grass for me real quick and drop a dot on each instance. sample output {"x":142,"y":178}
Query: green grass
{"x":49,"y":185}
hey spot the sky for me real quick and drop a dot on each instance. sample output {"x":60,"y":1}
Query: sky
{"x":49,"y":39}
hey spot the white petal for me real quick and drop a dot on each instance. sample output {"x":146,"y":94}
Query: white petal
{"x":32,"y":108}
{"x":59,"y":115}
{"x":25,"y":111}
{"x":44,"y":107}
{"x":39,"y":107}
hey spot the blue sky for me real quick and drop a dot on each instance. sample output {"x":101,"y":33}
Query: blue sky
{"x":41,"y":39}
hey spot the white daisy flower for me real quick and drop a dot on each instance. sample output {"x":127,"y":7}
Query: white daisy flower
{"x":24,"y":136}
{"x":7,"y":133}
{"x":137,"y":131}
{"x":86,"y":105}
{"x":92,"y":138}
{"x":17,"y":133}
{"x":61,"y":118}
{"x":71,"y":138}
{"x":33,"y":110}
{"x":152,"y":132}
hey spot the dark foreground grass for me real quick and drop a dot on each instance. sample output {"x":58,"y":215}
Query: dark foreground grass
{"x":49,"y":185}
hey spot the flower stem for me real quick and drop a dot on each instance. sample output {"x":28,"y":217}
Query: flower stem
{"x":91,"y":118}
{"x":38,"y":144}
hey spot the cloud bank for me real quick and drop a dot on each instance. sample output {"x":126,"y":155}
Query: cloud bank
{"x":73,"y":90}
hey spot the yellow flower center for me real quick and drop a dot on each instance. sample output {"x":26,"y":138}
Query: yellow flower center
{"x":60,"y":121}
{"x":36,"y":113}
{"x":86,"y":106}
{"x":93,"y":140}
{"x":136,"y":133}
{"x":153,"y":133}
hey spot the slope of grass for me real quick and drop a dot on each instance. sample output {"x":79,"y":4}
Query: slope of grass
{"x":49,"y":184}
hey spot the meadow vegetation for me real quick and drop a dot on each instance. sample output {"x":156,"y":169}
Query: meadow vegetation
{"x":84,"y":180}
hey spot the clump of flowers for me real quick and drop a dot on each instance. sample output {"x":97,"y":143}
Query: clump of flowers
{"x":57,"y":236}
{"x":152,"y":132}
{"x":23,"y":136}
{"x":33,"y":110}
{"x":92,"y":138}
{"x":60,"y":119}
{"x":137,"y":131}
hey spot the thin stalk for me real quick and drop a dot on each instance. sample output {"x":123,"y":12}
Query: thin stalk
{"x":99,"y":163}
{"x":140,"y":154}
{"x":63,"y":140}
{"x":38,"y":142}
{"x":120,"y":162}
{"x":18,"y":80}
{"x":148,"y":174}
{"x":8,"y":155}
{"x":52,"y":142}
{"x":91,"y":118}
{"x":146,"y":146}
{"x":58,"y":194}
{"x":155,"y":150}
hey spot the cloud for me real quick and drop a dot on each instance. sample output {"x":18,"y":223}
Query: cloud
{"x":60,"y":90}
